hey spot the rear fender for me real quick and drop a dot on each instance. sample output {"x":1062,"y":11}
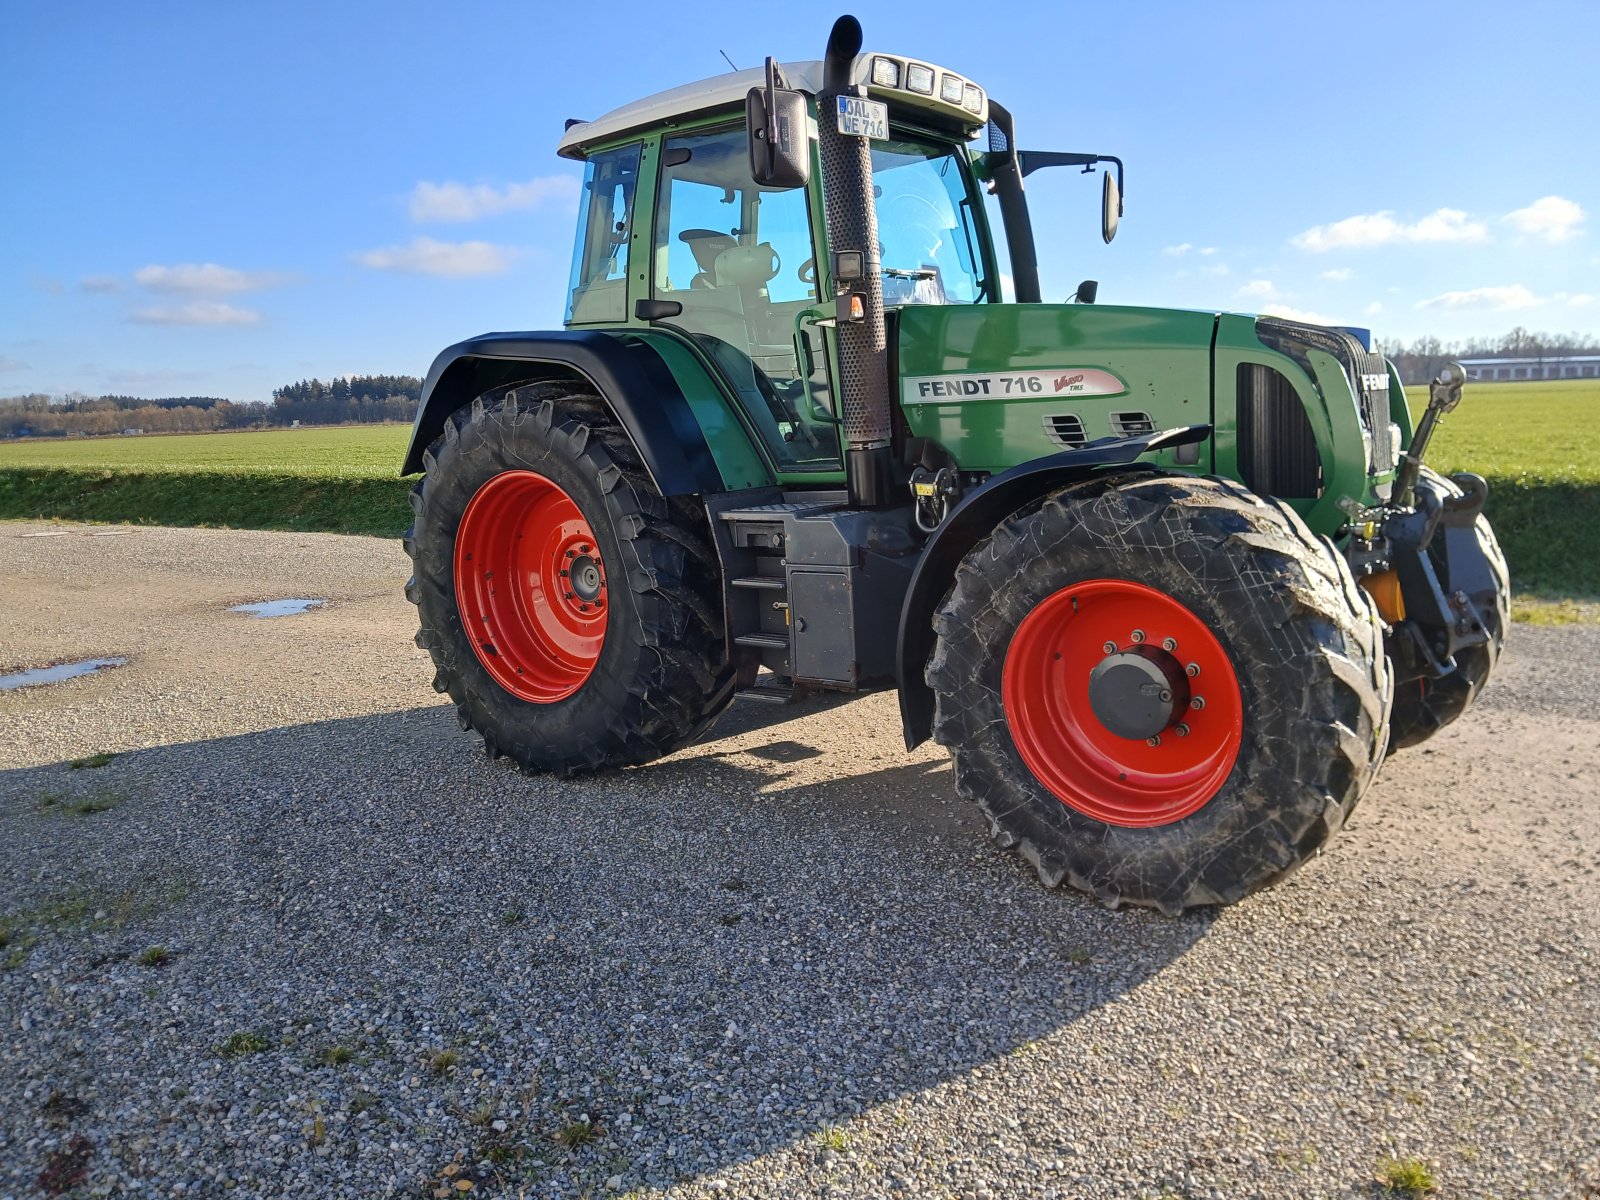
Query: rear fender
{"x":627,"y":371}
{"x":970,"y":522}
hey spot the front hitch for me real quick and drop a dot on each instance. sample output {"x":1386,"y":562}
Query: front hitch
{"x":1420,"y":557}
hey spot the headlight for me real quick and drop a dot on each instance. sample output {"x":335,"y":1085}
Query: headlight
{"x":885,"y":72}
{"x":919,"y":79}
{"x":972,"y":98}
{"x":951,"y":88}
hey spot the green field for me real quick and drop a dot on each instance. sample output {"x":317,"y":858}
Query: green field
{"x":364,"y":451}
{"x":1538,"y":444}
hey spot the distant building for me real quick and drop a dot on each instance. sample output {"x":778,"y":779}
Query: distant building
{"x":1570,"y":366}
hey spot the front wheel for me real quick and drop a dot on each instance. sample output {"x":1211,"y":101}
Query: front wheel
{"x":1163,"y":690}
{"x":571,"y":611}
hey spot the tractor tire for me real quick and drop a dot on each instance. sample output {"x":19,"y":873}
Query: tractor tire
{"x":1422,"y":707}
{"x":1162,"y":690}
{"x":572,"y":613}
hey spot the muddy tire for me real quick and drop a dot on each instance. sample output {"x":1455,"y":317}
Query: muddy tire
{"x":1091,"y":622}
{"x":1422,"y":707}
{"x":571,"y":612}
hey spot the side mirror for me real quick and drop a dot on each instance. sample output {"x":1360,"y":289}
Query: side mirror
{"x":1087,"y":291}
{"x":1110,"y":207}
{"x":776,"y":125}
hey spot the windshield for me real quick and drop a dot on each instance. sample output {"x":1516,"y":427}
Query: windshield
{"x":924,"y":225}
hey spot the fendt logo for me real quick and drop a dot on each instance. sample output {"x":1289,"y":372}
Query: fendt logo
{"x":1066,"y":381}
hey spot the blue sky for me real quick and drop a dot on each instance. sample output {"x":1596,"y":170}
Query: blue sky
{"x":204,"y":198}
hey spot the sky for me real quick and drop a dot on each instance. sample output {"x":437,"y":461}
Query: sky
{"x":217,"y":199}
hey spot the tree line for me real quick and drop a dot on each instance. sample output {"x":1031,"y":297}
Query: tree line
{"x":347,"y":399}
{"x":1421,"y":360}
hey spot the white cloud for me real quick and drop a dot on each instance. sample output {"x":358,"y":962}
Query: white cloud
{"x":201,"y":312}
{"x":1215,"y":269}
{"x":1208,"y":250}
{"x":468,"y":202}
{"x":12,"y":364}
{"x":1177,"y":251}
{"x":1338,"y":275}
{"x":1296,"y":314}
{"x":204,"y":279}
{"x":425,"y":256}
{"x":103,"y":284}
{"x":1259,"y":289}
{"x":1374,"y":308}
{"x":1551,"y":218}
{"x":1381,"y":229}
{"x":1507,"y":298}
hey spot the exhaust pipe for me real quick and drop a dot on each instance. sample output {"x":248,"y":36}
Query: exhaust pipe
{"x":852,"y":223}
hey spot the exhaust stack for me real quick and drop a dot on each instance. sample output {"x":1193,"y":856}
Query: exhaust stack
{"x":852,"y":223}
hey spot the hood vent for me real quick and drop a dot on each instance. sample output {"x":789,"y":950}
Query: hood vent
{"x":1132,"y":424}
{"x":1065,"y":429}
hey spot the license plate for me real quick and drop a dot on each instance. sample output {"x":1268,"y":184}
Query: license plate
{"x":863,"y":118}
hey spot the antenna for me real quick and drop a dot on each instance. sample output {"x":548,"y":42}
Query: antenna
{"x":726,"y":59}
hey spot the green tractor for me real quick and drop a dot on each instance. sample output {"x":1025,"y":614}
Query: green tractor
{"x":1168,"y":585}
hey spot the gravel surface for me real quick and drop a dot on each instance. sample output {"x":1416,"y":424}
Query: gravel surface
{"x":782,"y":963}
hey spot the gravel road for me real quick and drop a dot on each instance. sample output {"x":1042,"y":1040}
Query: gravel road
{"x":782,"y":963}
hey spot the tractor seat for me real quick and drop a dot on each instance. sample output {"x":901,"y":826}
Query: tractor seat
{"x":706,"y":245}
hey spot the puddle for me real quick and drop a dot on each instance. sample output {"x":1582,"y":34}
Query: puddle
{"x":42,"y":675}
{"x":278,"y":608}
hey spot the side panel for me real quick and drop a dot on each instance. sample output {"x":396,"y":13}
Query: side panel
{"x":656,"y":396}
{"x":1034,"y":362}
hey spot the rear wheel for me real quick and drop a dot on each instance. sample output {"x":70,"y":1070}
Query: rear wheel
{"x":570,"y":610}
{"x":1163,"y":690}
{"x":1422,"y":707}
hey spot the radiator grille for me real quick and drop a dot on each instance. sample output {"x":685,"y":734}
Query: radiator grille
{"x":1065,"y":429}
{"x":1369,"y":374}
{"x":1132,"y":424}
{"x":1277,"y":450}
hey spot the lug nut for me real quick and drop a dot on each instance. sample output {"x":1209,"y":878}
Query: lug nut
{"x":1109,"y":647}
{"x":572,"y":554}
{"x":1138,"y":635}
{"x":1181,"y":730}
{"x":1169,"y":644}
{"x":568,"y":595}
{"x":1153,"y":741}
{"x":1197,"y":703}
{"x":1192,"y":670}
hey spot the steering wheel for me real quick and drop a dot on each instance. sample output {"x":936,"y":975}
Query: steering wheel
{"x":808,"y":271}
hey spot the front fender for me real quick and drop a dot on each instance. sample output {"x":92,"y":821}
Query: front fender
{"x":970,"y":523}
{"x":627,"y":372}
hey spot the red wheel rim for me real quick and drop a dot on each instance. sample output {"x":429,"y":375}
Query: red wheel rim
{"x":1116,"y":779}
{"x":531,"y":587}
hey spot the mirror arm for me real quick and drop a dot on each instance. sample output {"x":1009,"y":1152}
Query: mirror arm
{"x":1029,"y":161}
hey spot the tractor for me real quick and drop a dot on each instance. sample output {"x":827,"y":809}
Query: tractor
{"x":1168,"y":585}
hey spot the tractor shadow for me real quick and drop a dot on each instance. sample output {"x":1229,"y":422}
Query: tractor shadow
{"x":758,"y":932}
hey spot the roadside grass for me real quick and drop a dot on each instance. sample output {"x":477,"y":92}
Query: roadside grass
{"x":1406,"y":1177}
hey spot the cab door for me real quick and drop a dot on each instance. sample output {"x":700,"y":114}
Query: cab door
{"x":741,"y":263}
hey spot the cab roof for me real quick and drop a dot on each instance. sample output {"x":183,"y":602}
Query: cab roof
{"x":729,"y":89}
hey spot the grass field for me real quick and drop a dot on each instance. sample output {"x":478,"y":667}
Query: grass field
{"x":1538,"y":444}
{"x":346,"y":451}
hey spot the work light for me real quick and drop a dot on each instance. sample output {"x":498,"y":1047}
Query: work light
{"x":885,"y":72}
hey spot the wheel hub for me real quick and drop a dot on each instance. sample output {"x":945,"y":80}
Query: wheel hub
{"x":1139,"y":692}
{"x":530,"y":586}
{"x":1122,"y":702}
{"x":586,"y":578}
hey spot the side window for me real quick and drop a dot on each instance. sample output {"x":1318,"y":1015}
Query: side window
{"x":599,"y":286}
